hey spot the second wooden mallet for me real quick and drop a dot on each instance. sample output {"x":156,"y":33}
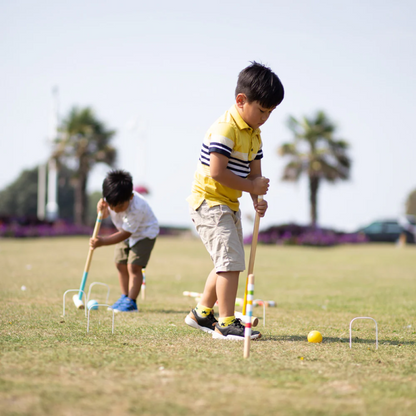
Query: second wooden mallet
{"x":78,"y":298}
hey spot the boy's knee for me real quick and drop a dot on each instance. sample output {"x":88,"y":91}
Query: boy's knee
{"x":121,"y":267}
{"x":135,"y":269}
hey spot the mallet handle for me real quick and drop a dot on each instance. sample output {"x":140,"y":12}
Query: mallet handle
{"x":90,"y":253}
{"x":252,"y":253}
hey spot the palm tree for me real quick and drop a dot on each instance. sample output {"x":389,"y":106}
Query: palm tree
{"x":83,"y":142}
{"x":317,"y":153}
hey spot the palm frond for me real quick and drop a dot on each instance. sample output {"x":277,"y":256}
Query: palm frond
{"x":287,"y":149}
{"x":292,"y":171}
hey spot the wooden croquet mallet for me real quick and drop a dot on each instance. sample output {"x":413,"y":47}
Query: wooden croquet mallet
{"x":247,"y":330}
{"x":252,"y":253}
{"x":78,"y":298}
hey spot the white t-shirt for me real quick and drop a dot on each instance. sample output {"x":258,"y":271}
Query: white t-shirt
{"x":138,"y":219}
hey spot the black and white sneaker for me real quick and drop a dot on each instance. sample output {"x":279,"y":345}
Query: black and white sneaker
{"x":234,"y":331}
{"x":206,"y":324}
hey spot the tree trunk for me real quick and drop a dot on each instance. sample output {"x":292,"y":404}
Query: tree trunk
{"x":81,"y":203}
{"x":313,"y":198}
{"x":78,"y":203}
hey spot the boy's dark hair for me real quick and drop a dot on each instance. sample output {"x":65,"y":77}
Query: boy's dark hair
{"x":260,"y":83}
{"x":117,"y":187}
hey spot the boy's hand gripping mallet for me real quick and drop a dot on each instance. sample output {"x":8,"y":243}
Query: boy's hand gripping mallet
{"x":252,"y":253}
{"x":78,"y":298}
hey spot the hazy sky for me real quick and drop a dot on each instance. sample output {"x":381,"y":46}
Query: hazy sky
{"x":161,"y":72}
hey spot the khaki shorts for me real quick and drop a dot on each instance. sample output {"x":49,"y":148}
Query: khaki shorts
{"x":139,"y":254}
{"x":221,"y":232}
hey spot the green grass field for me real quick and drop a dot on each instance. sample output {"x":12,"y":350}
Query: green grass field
{"x":154,"y":364}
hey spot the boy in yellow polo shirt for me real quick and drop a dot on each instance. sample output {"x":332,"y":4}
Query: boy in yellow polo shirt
{"x":230,"y":164}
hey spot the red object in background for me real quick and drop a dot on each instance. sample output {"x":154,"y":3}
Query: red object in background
{"x":141,"y":190}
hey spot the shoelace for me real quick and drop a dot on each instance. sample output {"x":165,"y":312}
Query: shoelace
{"x":211,"y":318}
{"x":237,"y":322}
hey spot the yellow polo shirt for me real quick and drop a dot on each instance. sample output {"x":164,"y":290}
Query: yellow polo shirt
{"x":231,"y":136}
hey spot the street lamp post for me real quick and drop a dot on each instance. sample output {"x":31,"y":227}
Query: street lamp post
{"x":52,"y":208}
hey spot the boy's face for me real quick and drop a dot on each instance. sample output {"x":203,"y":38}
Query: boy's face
{"x":252,"y":113}
{"x":121,"y":207}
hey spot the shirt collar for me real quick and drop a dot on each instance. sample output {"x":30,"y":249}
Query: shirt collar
{"x":239,"y":120}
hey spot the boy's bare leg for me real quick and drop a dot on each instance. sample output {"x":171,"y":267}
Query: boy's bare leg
{"x":227,"y":285}
{"x":136,"y":280}
{"x":209,"y":297}
{"x":123,"y":278}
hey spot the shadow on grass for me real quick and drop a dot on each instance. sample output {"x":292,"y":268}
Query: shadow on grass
{"x":327,"y":340}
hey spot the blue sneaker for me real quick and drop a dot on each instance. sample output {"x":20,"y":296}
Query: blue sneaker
{"x":117,"y":303}
{"x":127,"y":305}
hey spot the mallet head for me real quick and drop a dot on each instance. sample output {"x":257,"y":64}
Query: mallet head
{"x":78,"y":302}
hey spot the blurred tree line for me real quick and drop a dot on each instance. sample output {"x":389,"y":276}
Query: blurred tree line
{"x":15,"y":203}
{"x":20,"y":198}
{"x":411,"y":203}
{"x":84,"y":140}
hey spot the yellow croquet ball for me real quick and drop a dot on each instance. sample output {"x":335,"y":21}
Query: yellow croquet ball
{"x":314,"y":336}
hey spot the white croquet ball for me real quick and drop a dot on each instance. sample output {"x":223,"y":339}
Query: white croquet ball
{"x":23,"y":288}
{"x":92,"y":304}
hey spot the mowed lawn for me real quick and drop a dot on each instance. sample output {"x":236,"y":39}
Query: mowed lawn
{"x":154,"y":364}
